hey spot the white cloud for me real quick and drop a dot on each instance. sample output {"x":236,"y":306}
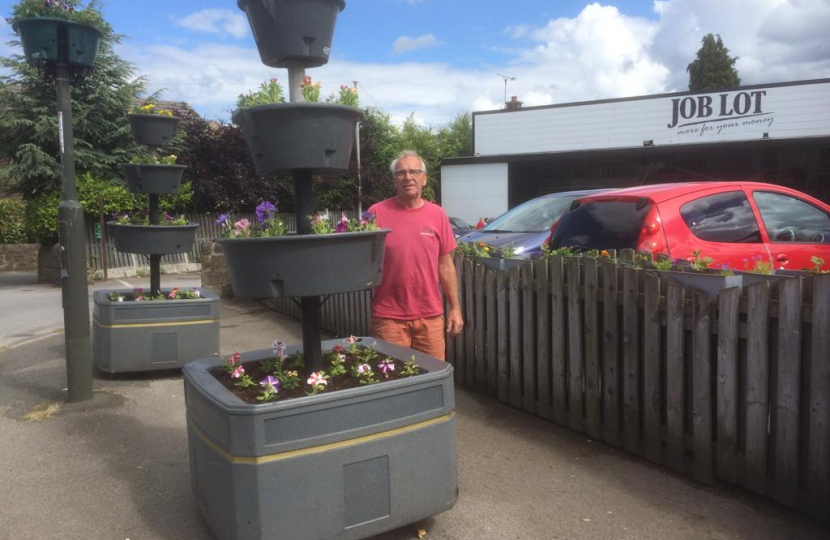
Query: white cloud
{"x":406,"y":43}
{"x":216,"y":21}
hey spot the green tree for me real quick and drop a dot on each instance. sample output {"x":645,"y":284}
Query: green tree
{"x":713,"y":69}
{"x":28,"y":119}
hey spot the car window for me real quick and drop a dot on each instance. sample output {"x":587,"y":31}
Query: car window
{"x":459,"y":223}
{"x":788,"y":219}
{"x":601,"y":225}
{"x":533,"y":216}
{"x":723,"y":217}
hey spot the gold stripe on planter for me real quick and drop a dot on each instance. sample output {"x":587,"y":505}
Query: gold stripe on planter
{"x":151,"y":325}
{"x":261,"y":460}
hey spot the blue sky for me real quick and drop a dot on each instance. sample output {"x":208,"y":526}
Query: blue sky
{"x":436,"y":58}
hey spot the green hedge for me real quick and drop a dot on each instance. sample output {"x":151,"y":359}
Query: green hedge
{"x":42,"y":210}
{"x":12,"y":223}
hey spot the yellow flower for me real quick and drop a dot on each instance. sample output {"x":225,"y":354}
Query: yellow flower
{"x":604,"y":253}
{"x":486,"y":249}
{"x":164,"y":112}
{"x":148,"y":106}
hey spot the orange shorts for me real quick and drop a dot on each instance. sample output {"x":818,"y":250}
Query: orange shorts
{"x":424,"y":335}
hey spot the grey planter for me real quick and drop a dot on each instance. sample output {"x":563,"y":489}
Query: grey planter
{"x":152,"y":239}
{"x":750,"y":278}
{"x":710,"y":284}
{"x":501,"y":264}
{"x":47,"y":39}
{"x":345,"y":465}
{"x":292,"y":31}
{"x":153,"y":129}
{"x":307,"y":265}
{"x":299,"y":136}
{"x":146,"y":336}
{"x":147,"y":178}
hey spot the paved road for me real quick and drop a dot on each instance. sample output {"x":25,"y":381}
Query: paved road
{"x":30,"y":311}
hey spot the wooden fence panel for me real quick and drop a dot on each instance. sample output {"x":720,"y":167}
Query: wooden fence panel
{"x":727,"y":385}
{"x":503,"y":326}
{"x":528,"y":339}
{"x":558,"y":329}
{"x":492,"y":333}
{"x":631,"y":360}
{"x":543,"y":338}
{"x":652,"y":386}
{"x":757,"y":387}
{"x":515,"y":297}
{"x":460,"y":340}
{"x":675,"y":376}
{"x":702,"y":389}
{"x":575,"y":380}
{"x":611,"y":352}
{"x":481,"y":362}
{"x":818,"y":460}
{"x":469,"y":315}
{"x":593,"y":370}
{"x":788,"y":392}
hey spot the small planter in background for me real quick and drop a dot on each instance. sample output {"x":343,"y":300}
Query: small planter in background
{"x":501,"y":264}
{"x":152,"y":178}
{"x":709,"y":283}
{"x":153,"y":129}
{"x":286,"y":137}
{"x":304,"y":265}
{"x":42,"y":39}
{"x":348,"y":464}
{"x":292,"y":31}
{"x":152,"y":239}
{"x":153,"y":335}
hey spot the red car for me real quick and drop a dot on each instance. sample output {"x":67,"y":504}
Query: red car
{"x":731,"y":222}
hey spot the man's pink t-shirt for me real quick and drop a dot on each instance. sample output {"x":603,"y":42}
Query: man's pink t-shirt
{"x":409,"y":288}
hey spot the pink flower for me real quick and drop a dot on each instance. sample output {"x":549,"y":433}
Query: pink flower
{"x":234,"y":359}
{"x":242,"y":225}
{"x":387,"y":365}
{"x":343,"y":224}
{"x":338,"y":349}
{"x":364,"y":368}
{"x":341,"y":357}
{"x":238,"y":372}
{"x":173,"y":293}
{"x":317,"y":379}
{"x":351,"y":340}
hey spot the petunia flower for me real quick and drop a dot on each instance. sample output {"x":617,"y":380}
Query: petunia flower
{"x":364,"y":368}
{"x":234,"y":358}
{"x":238,"y":372}
{"x":343,"y":224}
{"x":351,"y":340}
{"x":338,"y":349}
{"x":316,"y":379}
{"x":387,"y":365}
{"x":271,"y":381}
{"x":173,"y":293}
{"x":265,"y":211}
{"x":222,"y":219}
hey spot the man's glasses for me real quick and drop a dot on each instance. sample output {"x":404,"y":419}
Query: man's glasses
{"x":401,"y":173}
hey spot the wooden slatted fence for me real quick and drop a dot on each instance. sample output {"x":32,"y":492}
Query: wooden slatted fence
{"x":732,"y":389}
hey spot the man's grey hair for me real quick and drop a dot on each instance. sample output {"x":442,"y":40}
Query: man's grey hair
{"x":405,"y":154}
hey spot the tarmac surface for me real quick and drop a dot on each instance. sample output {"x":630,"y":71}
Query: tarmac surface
{"x":116,"y":467}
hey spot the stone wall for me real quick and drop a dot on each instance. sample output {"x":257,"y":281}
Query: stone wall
{"x":215,"y":275}
{"x":18,"y":257}
{"x":49,"y":264}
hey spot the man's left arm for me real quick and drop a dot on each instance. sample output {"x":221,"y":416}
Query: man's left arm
{"x":449,"y":284}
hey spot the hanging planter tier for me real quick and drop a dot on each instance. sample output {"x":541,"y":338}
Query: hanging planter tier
{"x":341,"y":465}
{"x":492,"y":263}
{"x":47,"y":39}
{"x":289,"y":137}
{"x":292,"y":31}
{"x":152,"y":335}
{"x":149,"y":178}
{"x":304,"y":265}
{"x":152,"y":239}
{"x":153,"y":129}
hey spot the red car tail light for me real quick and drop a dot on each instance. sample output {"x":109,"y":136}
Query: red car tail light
{"x":652,"y":235}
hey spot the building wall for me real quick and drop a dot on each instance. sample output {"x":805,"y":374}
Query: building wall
{"x":471,"y":192}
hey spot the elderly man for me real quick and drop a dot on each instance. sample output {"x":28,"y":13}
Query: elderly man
{"x":407,"y":308}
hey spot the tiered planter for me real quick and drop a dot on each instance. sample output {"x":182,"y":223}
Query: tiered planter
{"x":307,"y":265}
{"x":501,"y":264}
{"x":299,"y":136}
{"x":153,"y":335}
{"x":346,"y":465}
{"x":709,"y":283}
{"x":43,"y":40}
{"x":132,"y":336}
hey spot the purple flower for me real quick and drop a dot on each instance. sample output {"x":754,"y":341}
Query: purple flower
{"x":368,"y":216}
{"x":343,"y":224}
{"x":221,"y":219}
{"x":387,"y":365}
{"x":279,"y":350}
{"x":271,"y":381}
{"x":265,"y":211}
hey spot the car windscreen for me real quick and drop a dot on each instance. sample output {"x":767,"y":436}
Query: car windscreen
{"x":601,"y":225}
{"x":533,"y":216}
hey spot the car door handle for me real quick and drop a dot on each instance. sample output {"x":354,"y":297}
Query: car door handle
{"x":782,"y":258}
